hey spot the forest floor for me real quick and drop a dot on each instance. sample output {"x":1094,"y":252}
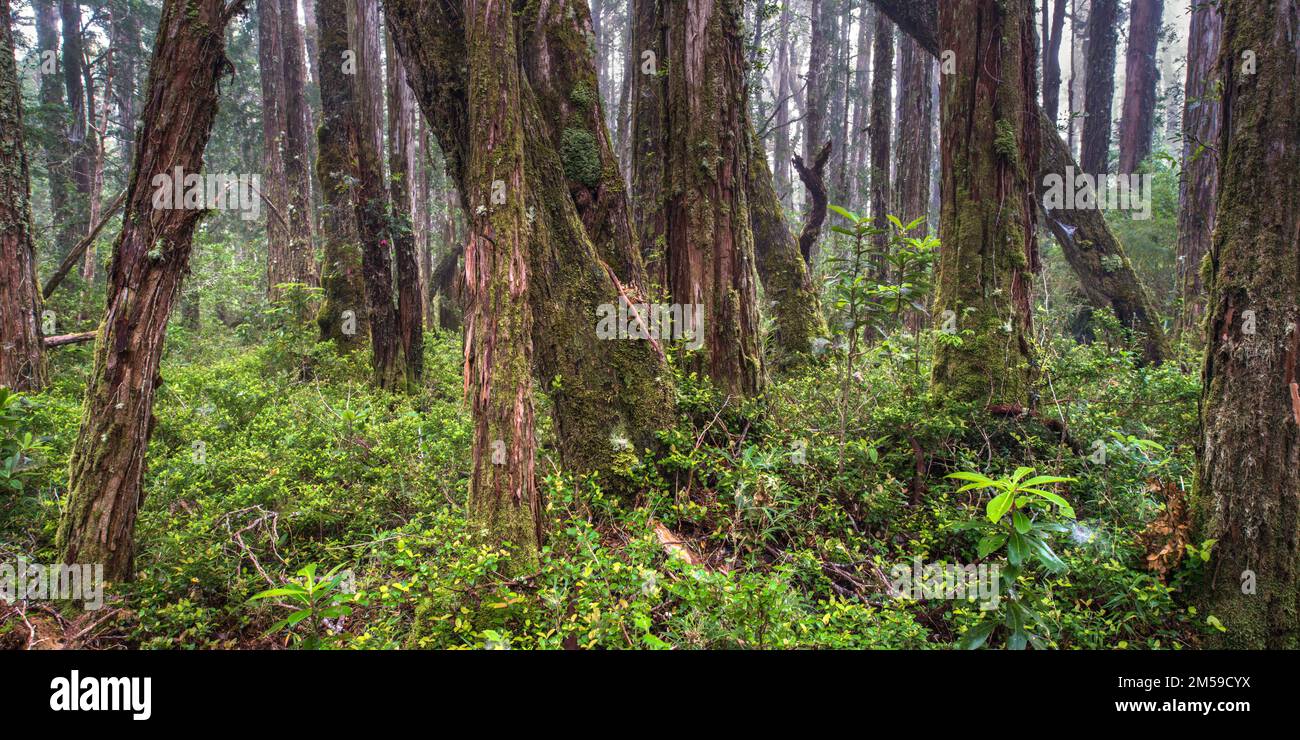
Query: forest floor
{"x":780,"y":524}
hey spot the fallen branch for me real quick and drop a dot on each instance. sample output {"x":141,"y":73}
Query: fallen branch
{"x":62,"y":339}
{"x":80,"y":249}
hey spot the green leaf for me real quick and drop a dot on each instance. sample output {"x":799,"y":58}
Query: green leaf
{"x":1039,"y":480}
{"x":1066,"y":509}
{"x":999,"y":506}
{"x":977,"y":635}
{"x":990,"y":543}
{"x":1017,"y":548}
{"x":1021,"y":472}
{"x":1045,"y":554}
{"x":850,"y":215}
{"x":976,"y":477}
{"x":275,"y":592}
{"x":1022,"y":522}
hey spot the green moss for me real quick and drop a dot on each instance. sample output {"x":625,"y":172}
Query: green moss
{"x":580,"y":156}
{"x":583,"y":96}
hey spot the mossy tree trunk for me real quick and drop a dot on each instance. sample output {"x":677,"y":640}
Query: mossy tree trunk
{"x":988,"y":209}
{"x":342,"y":317}
{"x":1094,"y":253}
{"x":601,"y":392}
{"x":150,"y":259}
{"x":1248,"y":457}
{"x":709,"y":243}
{"x":22,"y":356}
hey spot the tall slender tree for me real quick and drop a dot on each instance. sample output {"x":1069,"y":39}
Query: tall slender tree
{"x":22,"y":358}
{"x":1141,"y":76}
{"x":1099,"y":93}
{"x":1199,"y":179}
{"x":150,"y":259}
{"x":882,"y":107}
{"x":404,"y":171}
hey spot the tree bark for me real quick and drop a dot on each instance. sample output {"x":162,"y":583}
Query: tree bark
{"x":988,"y":214}
{"x":371,"y":198}
{"x":1140,"y":77}
{"x":882,"y":79}
{"x":150,"y":258}
{"x":915,"y":145}
{"x":298,"y":131}
{"x":402,"y":169}
{"x":1248,"y":458}
{"x":858,"y":141}
{"x":80,"y":144}
{"x":275,"y":183}
{"x":503,"y":496}
{"x":1199,"y":181}
{"x":710,"y":247}
{"x":22,"y":356}
{"x":52,"y":116}
{"x":1099,"y":93}
{"x":342,"y":317}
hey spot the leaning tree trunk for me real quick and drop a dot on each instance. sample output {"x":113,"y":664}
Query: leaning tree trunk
{"x":1248,"y":458}
{"x":710,"y":247}
{"x":1095,"y":255}
{"x":503,"y":497}
{"x":22,"y":357}
{"x":1099,"y":93}
{"x":988,"y":212}
{"x":150,"y":258}
{"x":1198,"y":186}
{"x":1137,"y":124}
{"x":342,"y":317}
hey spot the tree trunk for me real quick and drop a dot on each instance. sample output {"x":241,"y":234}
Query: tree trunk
{"x":862,"y":87}
{"x":1096,"y":256}
{"x":1052,"y":59}
{"x":1099,"y":93}
{"x":915,"y":108}
{"x":74,"y":79}
{"x":402,"y":169}
{"x":342,"y":317}
{"x":1079,"y":11}
{"x":1248,"y":458}
{"x":988,"y":215}
{"x":781,"y":116}
{"x":298,"y":131}
{"x":1140,"y":78}
{"x":1198,"y":185}
{"x":22,"y":356}
{"x":649,"y":138}
{"x":150,"y":258}
{"x":822,"y":30}
{"x":275,"y":182}
{"x":882,"y":79}
{"x":710,"y":247}
{"x":371,"y":199}
{"x":51,"y":117}
{"x":126,"y":52}
{"x":311,"y":34}
{"x":503,"y":496}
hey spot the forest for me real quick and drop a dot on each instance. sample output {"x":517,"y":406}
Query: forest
{"x":650,"y":324}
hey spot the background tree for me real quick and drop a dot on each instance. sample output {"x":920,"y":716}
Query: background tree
{"x":1141,"y":75}
{"x":1099,"y":93}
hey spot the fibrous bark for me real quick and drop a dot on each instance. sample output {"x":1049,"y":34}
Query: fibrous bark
{"x":1137,"y":123}
{"x":1248,"y":456}
{"x":1099,"y":92}
{"x":150,"y":258}
{"x":1199,"y":181}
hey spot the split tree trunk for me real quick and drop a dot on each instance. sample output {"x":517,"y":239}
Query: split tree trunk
{"x":150,"y":258}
